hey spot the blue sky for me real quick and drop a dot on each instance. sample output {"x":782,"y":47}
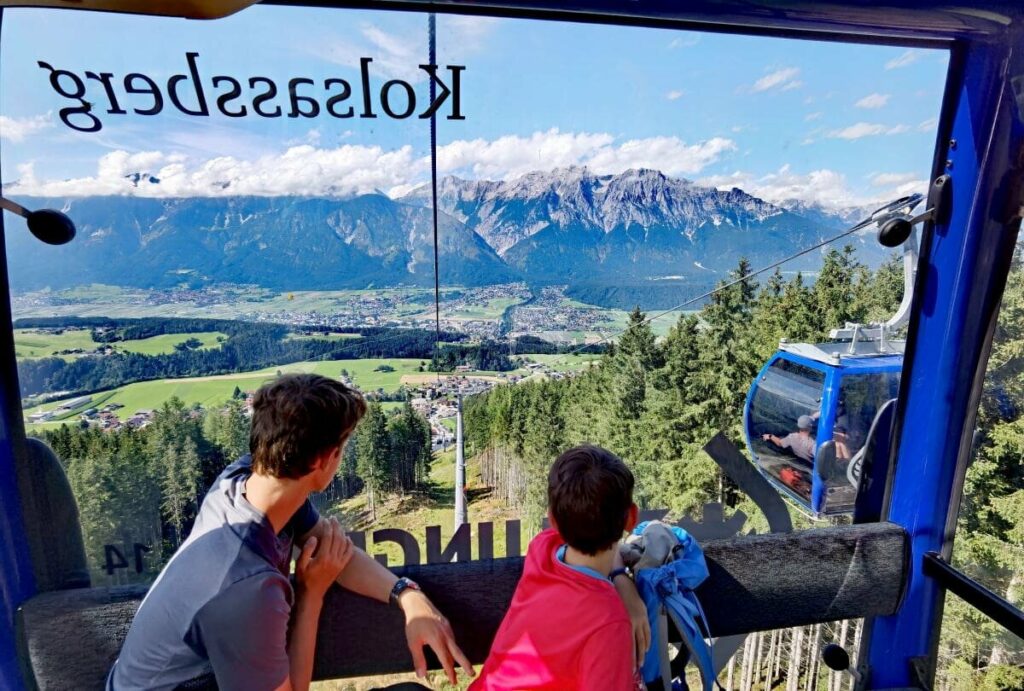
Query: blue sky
{"x":838,"y":124}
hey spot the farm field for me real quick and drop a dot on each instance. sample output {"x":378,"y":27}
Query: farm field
{"x":566,"y":362}
{"x":217,"y":389}
{"x":33,"y":343}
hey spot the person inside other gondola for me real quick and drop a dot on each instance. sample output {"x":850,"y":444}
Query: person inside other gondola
{"x":840,"y":437}
{"x":800,"y":443}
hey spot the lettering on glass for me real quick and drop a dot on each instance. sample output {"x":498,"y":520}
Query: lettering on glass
{"x":114,"y":559}
{"x":94,"y":95}
{"x":458,"y":548}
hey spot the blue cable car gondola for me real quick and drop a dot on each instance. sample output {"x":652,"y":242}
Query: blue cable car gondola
{"x":814,"y":408}
{"x":808,"y":417}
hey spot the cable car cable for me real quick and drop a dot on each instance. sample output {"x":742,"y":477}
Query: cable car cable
{"x":878,"y":216}
{"x":432,"y":60}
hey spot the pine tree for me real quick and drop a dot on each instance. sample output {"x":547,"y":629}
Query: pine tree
{"x":373,"y":453}
{"x":834,"y":297}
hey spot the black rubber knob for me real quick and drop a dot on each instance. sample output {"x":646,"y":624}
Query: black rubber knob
{"x":894,"y":232}
{"x":835,"y":657}
{"x":52,"y":227}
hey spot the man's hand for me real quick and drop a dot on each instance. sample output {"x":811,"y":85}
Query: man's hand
{"x":322,"y":559}
{"x":424,"y":625}
{"x":637,"y":617}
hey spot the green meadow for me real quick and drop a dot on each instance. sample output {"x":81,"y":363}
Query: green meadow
{"x":33,"y":343}
{"x":215,"y":390}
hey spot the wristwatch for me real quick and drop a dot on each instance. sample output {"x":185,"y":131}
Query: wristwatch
{"x":621,"y":571}
{"x":401,"y":585}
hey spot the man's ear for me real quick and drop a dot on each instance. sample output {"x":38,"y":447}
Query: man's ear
{"x":632,"y":517}
{"x":321,"y":461}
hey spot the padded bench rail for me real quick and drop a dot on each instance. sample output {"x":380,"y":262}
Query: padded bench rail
{"x":757,"y":583}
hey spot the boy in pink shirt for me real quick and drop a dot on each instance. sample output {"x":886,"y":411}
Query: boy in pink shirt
{"x":567,"y":627}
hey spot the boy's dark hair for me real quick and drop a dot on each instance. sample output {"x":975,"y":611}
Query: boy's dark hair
{"x":590,"y":491}
{"x":297,"y":417}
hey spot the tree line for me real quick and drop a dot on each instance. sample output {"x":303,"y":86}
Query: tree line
{"x":249,"y":346}
{"x":389,"y":454}
{"x":486,"y":356}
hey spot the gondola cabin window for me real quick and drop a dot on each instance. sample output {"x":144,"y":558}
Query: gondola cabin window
{"x":782,"y":423}
{"x":255,"y":196}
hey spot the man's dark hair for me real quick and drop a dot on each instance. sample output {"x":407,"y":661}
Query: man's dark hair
{"x":297,"y":417}
{"x":590,"y":491}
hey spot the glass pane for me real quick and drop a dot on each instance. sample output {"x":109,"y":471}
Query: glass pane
{"x":858,"y":409}
{"x":782,"y":422}
{"x":974,"y":651}
{"x":593,"y":181}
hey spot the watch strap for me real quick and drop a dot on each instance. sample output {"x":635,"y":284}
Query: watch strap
{"x":400,"y":586}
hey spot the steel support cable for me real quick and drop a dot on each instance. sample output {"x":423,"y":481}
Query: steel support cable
{"x":432,"y":60}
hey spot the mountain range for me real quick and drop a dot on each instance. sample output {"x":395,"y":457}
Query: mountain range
{"x":565,"y":226}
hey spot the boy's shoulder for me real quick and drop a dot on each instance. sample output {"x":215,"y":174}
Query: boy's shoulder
{"x":547,"y":573}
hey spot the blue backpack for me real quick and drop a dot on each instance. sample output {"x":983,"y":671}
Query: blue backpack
{"x":668,"y":565}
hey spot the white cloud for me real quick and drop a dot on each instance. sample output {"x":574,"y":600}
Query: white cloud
{"x":813,"y":116}
{"x":670,"y":155}
{"x":675,"y":95}
{"x":393,"y":56}
{"x":345,"y":170}
{"x":907,"y":58}
{"x":873,"y":101}
{"x":398,"y":56}
{"x":866,"y":129}
{"x":826,"y":187}
{"x":300,"y":170}
{"x":466,"y":32}
{"x":928,"y":125}
{"x":780,"y":79}
{"x":683,"y":42}
{"x":513,"y":155}
{"x":16,"y":129}
{"x":890,"y":179}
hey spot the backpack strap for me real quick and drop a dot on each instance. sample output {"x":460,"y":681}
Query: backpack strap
{"x":667,"y":591}
{"x":664,"y":663}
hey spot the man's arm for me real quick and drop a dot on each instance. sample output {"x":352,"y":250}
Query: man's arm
{"x":315,"y":570}
{"x":424,"y":624}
